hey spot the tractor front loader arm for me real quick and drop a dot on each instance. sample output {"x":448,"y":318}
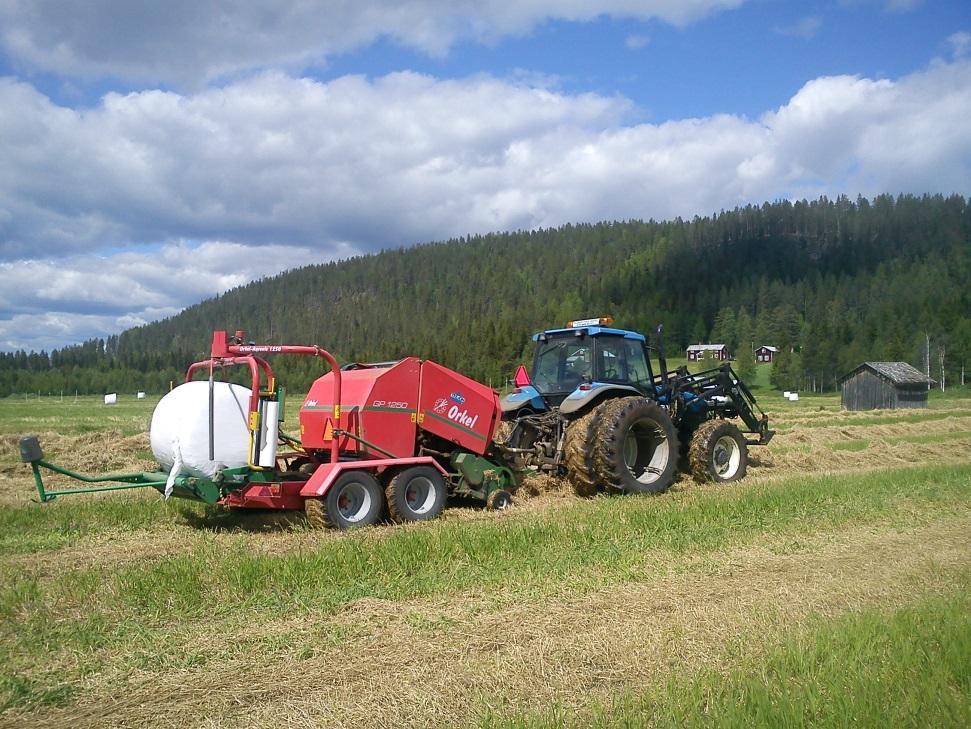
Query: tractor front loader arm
{"x":722,"y":382}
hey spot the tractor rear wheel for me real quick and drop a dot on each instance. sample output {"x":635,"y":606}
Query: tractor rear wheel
{"x":579,"y":451}
{"x":416,"y":494}
{"x":718,"y":452}
{"x":354,"y":500}
{"x":636,"y":446}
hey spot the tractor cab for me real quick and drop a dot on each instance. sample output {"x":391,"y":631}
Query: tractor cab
{"x":580,"y":362}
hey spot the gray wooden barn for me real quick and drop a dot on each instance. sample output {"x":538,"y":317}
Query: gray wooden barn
{"x":884,"y":385}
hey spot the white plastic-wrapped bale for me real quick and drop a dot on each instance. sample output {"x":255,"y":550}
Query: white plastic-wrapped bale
{"x":180,"y":428}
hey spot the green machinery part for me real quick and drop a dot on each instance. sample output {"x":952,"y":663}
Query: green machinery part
{"x":186,"y":487}
{"x":479,"y":477}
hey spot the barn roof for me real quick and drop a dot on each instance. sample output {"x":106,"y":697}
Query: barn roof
{"x":899,"y":373}
{"x":769,"y":347}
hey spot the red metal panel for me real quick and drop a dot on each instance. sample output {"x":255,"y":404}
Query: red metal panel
{"x":285,"y":495}
{"x":377,"y":404}
{"x":317,"y":410}
{"x":388,"y":414}
{"x":457,"y":408}
{"x":327,"y":473}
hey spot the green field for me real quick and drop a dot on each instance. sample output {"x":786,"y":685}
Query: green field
{"x":832,"y":587}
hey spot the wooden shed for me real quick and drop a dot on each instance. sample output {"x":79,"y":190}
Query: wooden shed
{"x":884,"y":386}
{"x":766,"y":353}
{"x":697,"y":352}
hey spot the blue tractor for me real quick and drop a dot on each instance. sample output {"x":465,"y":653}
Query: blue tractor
{"x":593,"y":409}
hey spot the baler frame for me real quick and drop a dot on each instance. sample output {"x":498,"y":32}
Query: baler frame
{"x":294,"y":479}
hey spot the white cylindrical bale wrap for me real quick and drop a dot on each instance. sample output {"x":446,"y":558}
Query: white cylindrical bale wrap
{"x":180,"y":428}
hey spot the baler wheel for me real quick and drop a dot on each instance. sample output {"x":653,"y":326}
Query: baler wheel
{"x":636,"y":446}
{"x":354,"y":500}
{"x":416,"y":494}
{"x":499,"y":500}
{"x":315,"y":513}
{"x":718,"y":452}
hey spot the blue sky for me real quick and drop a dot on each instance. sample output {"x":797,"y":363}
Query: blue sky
{"x":741,"y":61}
{"x":155,"y":155}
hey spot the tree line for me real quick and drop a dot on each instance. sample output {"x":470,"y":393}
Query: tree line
{"x":830,"y":282}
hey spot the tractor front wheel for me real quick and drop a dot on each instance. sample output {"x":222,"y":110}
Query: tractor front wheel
{"x":718,"y":452}
{"x":636,"y":446}
{"x":416,"y":494}
{"x":354,"y":500}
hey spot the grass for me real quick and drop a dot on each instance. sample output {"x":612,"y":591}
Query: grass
{"x":94,"y":612}
{"x":89,"y":414}
{"x":72,"y":416}
{"x":69,"y":520}
{"x":911,"y":667}
{"x":139,"y":605}
{"x":850,"y":445}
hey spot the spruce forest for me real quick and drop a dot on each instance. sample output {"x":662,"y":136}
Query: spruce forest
{"x":831,"y":283}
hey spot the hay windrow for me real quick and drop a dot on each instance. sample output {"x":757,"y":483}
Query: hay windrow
{"x":439,"y":662}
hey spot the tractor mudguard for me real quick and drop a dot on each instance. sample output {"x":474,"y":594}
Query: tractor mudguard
{"x":326,"y":473}
{"x":526,"y":396}
{"x":580,"y":398}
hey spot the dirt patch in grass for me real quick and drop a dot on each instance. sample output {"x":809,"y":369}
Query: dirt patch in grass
{"x":445,"y":661}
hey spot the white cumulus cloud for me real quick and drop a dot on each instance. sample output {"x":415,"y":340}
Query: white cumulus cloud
{"x":47,"y":302}
{"x":274,"y":172}
{"x":187,"y":42}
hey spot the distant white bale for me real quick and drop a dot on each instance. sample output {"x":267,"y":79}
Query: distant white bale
{"x":793,"y":396}
{"x":140,"y":395}
{"x":180,"y":428}
{"x":111,"y":398}
{"x":786,"y":394}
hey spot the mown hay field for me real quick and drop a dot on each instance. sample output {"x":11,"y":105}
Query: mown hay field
{"x":831,"y":587}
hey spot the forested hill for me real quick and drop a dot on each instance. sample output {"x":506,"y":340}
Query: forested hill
{"x":837,"y":281}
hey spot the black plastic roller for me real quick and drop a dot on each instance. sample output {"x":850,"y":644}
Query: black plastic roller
{"x":30,"y":449}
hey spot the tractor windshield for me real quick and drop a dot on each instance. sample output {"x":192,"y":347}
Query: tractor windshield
{"x":562,"y":364}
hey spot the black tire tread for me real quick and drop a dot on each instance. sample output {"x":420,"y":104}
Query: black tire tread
{"x":390,"y":495}
{"x":316,"y":511}
{"x":605,"y":473}
{"x":609,"y":459}
{"x":579,"y":452}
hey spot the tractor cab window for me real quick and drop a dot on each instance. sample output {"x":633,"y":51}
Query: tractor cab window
{"x":612,"y":358}
{"x":622,"y":360}
{"x":640,"y":374}
{"x":562,"y":364}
